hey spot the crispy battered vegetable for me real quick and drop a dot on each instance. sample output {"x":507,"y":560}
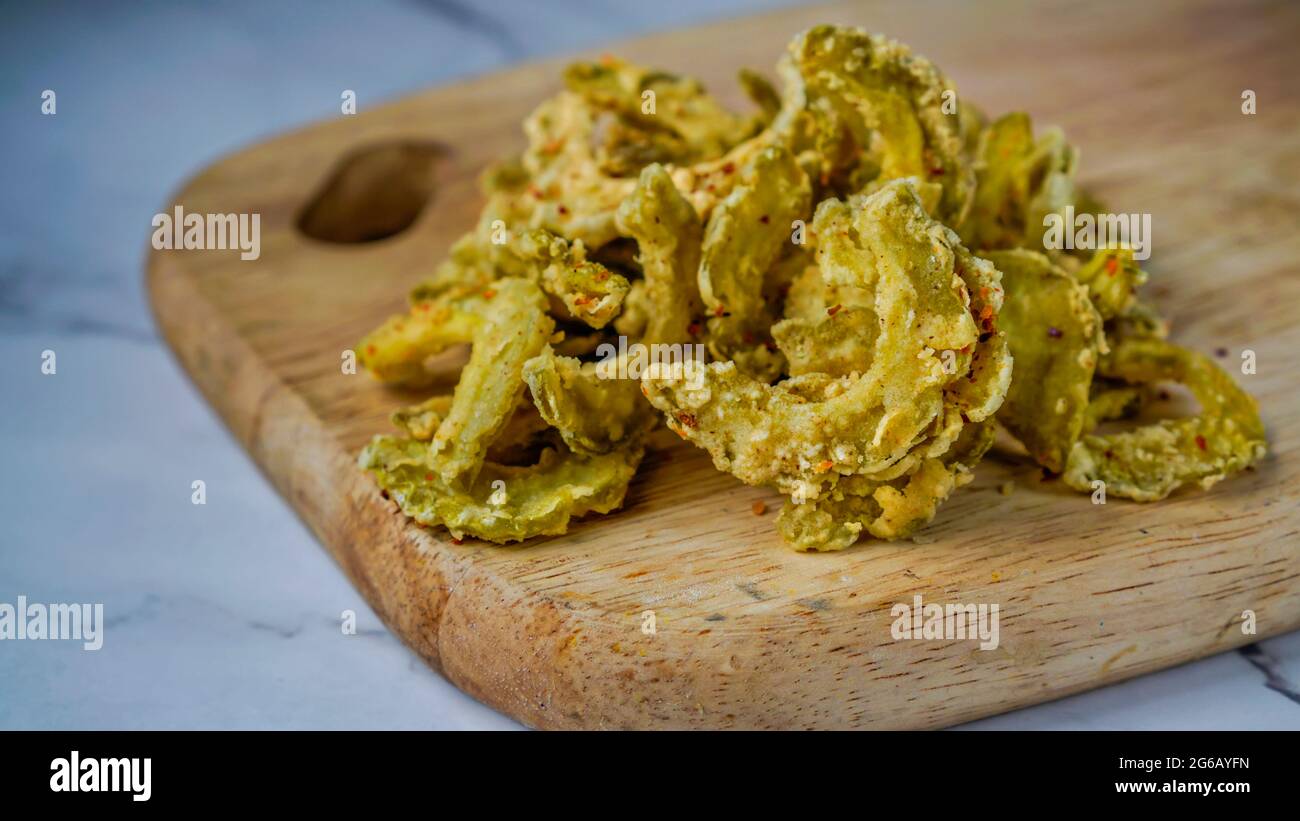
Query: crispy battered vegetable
{"x":684,"y":121}
{"x":839,"y":342}
{"x":891,"y":509}
{"x":421,"y":421}
{"x":1055,"y":335}
{"x":503,"y":503}
{"x":1112,"y":277}
{"x":1151,"y":462}
{"x":593,"y":414}
{"x":889,"y":96}
{"x":797,"y":434}
{"x":516,"y":442}
{"x":817,"y":248}
{"x":1112,"y":400}
{"x":515,"y":328}
{"x":1020,"y":181}
{"x":589,"y":290}
{"x":439,"y":318}
{"x":743,"y":239}
{"x":668,"y":234}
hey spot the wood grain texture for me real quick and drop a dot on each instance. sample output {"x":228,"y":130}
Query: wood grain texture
{"x":750,"y":634}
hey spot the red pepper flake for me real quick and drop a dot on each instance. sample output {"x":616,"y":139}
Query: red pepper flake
{"x":825,"y":465}
{"x":936,"y":171}
{"x":986,"y":313}
{"x":748,"y":338}
{"x":563,"y":210}
{"x":455,"y":540}
{"x":607,"y":60}
{"x":687,"y":420}
{"x":535,"y":191}
{"x":721,"y":310}
{"x":489,"y":293}
{"x":765,"y":219}
{"x":644,"y":390}
{"x":1200,"y":442}
{"x":729,"y":168}
{"x":694,"y":328}
{"x":1053,"y":332}
{"x":833,"y":310}
{"x":582,"y":300}
{"x":1112,"y":265}
{"x":428,"y":477}
{"x":601,"y":276}
{"x":759,"y":508}
{"x":370,"y":349}
{"x":552,"y":147}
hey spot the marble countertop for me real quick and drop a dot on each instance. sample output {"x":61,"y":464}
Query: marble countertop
{"x":226,"y":615}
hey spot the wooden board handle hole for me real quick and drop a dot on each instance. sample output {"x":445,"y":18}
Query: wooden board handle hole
{"x":374,"y":192}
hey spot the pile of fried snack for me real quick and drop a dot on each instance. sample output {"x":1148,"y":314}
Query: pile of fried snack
{"x":863,"y":261}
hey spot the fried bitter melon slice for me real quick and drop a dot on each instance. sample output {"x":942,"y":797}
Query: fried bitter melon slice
{"x":1112,"y":277}
{"x":590,"y":291}
{"x":675,"y":107}
{"x":891,"y":509}
{"x":593,"y":414}
{"x":439,"y":317}
{"x":1150,"y":462}
{"x":743,"y":239}
{"x":879,"y":86}
{"x":514,"y":329}
{"x":1055,"y":335}
{"x":668,"y":234}
{"x":503,"y":503}
{"x":421,"y":421}
{"x":924,"y":285}
{"x":1020,"y":181}
{"x":1110,"y":400}
{"x":827,"y":329}
{"x":516,"y":441}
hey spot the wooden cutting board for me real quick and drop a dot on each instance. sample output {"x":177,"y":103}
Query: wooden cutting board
{"x":749,"y":634}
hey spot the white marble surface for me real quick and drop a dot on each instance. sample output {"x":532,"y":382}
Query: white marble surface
{"x":226,"y":615}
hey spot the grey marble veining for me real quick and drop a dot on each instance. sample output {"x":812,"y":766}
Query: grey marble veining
{"x":226,"y":615}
